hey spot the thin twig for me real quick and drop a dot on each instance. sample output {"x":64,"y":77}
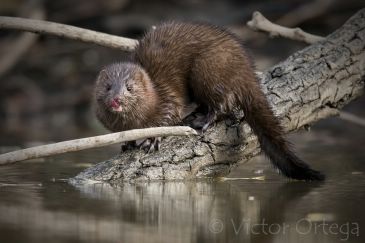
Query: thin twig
{"x":93,"y":142}
{"x":346,"y":116}
{"x":67,"y":31}
{"x":20,"y":184}
{"x":259,"y":22}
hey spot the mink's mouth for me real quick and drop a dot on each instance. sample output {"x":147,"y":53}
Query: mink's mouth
{"x":115,"y":106}
{"x":116,"y":109}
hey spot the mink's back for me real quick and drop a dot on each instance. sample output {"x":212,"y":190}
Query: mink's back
{"x":170,"y":53}
{"x":175,"y":45}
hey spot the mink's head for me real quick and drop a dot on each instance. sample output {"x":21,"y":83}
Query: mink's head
{"x":121,"y":87}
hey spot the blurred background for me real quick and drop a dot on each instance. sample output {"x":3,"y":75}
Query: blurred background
{"x":46,"y":85}
{"x":46,"y":82}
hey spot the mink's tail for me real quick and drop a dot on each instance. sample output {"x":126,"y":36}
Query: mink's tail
{"x":267,"y":128}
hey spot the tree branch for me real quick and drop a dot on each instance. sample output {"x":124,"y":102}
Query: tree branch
{"x":310,"y":85}
{"x":93,"y":142}
{"x":259,"y":22}
{"x":67,"y":31}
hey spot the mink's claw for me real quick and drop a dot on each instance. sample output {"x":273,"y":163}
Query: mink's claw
{"x":151,"y":144}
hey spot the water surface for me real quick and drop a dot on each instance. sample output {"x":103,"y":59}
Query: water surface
{"x":38,"y":205}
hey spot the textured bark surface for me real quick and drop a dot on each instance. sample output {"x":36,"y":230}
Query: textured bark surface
{"x":310,"y":85}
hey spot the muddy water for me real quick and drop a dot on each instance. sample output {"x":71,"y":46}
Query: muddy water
{"x":37,"y":205}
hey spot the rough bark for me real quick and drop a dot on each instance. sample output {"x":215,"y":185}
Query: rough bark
{"x":310,"y":85}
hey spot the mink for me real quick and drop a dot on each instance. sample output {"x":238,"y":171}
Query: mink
{"x":176,"y":64}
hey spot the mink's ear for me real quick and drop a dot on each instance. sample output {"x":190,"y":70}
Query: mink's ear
{"x":138,"y":76}
{"x":103,"y":75}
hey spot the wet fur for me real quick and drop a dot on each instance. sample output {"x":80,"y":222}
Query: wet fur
{"x":208,"y":65}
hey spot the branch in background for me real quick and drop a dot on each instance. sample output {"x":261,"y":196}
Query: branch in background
{"x":93,"y":142}
{"x":67,"y":31}
{"x":259,"y":22}
{"x":346,"y":116}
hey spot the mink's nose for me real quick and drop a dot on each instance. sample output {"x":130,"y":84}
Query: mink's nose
{"x":115,"y":103}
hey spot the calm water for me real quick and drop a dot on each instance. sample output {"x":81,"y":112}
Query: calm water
{"x":37,"y":205}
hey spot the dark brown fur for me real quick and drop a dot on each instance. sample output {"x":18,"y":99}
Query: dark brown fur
{"x":180,"y":62}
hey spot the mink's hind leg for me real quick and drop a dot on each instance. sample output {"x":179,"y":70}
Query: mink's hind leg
{"x":203,"y":121}
{"x":209,"y":119}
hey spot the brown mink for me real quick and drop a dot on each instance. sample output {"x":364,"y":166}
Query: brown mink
{"x":179,"y":63}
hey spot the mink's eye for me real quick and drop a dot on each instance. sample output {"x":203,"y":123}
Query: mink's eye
{"x":129,"y":88}
{"x":108,"y":87}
